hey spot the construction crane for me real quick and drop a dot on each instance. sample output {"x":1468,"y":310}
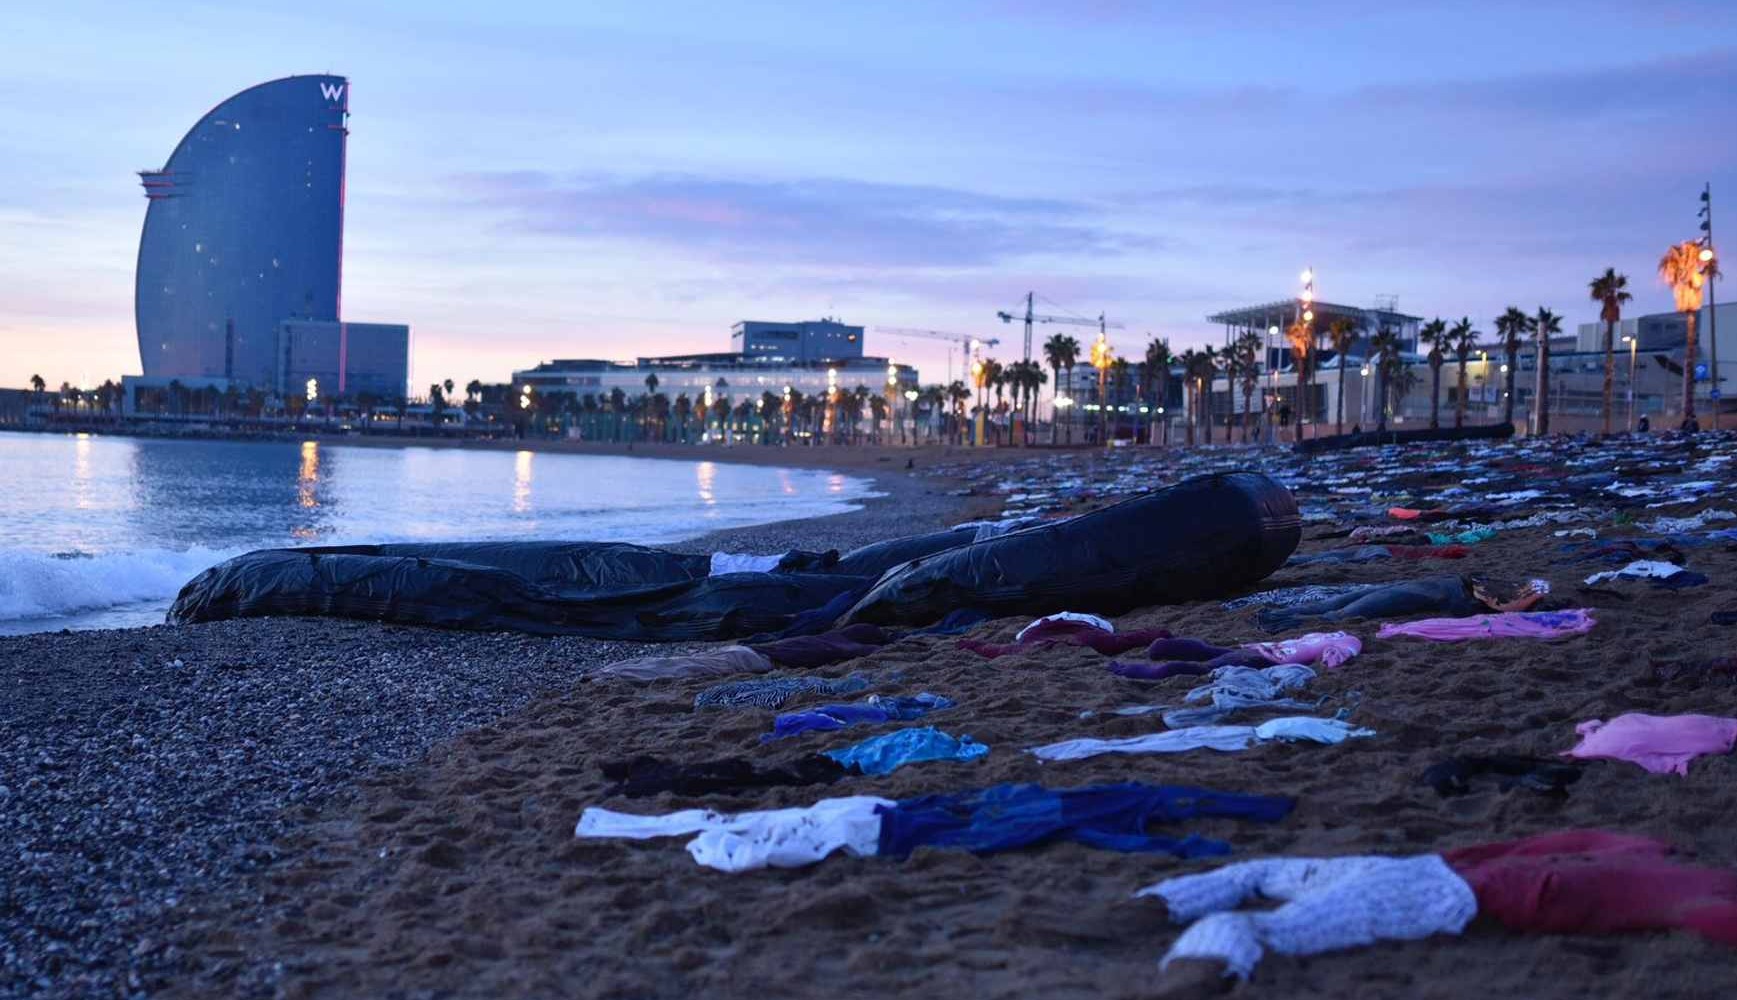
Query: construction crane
{"x":1031,"y":318}
{"x":966,"y":342}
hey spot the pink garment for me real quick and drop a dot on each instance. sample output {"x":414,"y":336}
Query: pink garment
{"x":1330,"y":649}
{"x":1507,"y":625}
{"x":1663,"y":744}
{"x":1592,"y":882}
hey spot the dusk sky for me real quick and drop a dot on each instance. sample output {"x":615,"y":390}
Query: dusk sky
{"x":539,"y":180}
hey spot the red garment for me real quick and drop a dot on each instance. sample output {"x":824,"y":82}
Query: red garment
{"x":1068,"y":633}
{"x":1428,"y":551}
{"x":1592,"y":882}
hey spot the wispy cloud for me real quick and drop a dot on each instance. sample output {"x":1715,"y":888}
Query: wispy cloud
{"x":817,"y":221}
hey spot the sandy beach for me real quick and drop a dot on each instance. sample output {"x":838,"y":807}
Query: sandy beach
{"x":321,"y":809}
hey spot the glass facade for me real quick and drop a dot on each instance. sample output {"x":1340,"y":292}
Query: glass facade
{"x":244,"y":230}
{"x":345,"y":359}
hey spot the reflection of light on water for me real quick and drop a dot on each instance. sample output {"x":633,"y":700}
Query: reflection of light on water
{"x":81,"y":473}
{"x":522,"y":481}
{"x":785,"y":484}
{"x":835,"y":484}
{"x":707,"y":474}
{"x":308,"y":481}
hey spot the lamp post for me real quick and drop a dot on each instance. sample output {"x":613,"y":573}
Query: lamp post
{"x":1363,"y":391}
{"x":1307,"y":318}
{"x":1101,"y":361}
{"x":1709,"y":268}
{"x":980,"y":383}
{"x":1270,"y":400}
{"x":1633,"y":343}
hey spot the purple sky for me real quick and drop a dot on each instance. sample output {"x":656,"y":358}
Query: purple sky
{"x":538,"y":180}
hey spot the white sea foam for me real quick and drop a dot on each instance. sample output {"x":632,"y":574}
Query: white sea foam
{"x":38,"y":585}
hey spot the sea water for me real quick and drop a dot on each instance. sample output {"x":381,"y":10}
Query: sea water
{"x":101,"y":532}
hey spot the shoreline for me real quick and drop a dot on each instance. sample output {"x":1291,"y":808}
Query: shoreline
{"x":211,"y":747}
{"x":838,"y":458}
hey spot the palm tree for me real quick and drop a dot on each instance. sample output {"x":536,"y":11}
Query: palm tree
{"x":1384,"y":349}
{"x":1512,"y":327}
{"x":1244,"y":361}
{"x":1542,"y":326}
{"x":1434,"y":333}
{"x":1343,"y":333}
{"x":436,"y":403}
{"x":1608,"y":290}
{"x":1059,"y":351}
{"x":958,"y":394}
{"x":1463,"y":340}
{"x":1157,"y":375}
{"x":473,"y":389}
{"x":1204,"y":369}
{"x":447,"y":385}
{"x":37,"y":385}
{"x":1681,"y":268}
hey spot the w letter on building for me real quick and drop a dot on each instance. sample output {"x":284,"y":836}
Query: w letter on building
{"x":332,"y":91}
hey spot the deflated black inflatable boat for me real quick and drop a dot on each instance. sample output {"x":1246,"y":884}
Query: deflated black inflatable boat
{"x":1197,"y":539}
{"x":1200,"y":538}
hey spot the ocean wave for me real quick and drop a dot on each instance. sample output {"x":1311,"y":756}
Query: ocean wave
{"x":42,"y":585}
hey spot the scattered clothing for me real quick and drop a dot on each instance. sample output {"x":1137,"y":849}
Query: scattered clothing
{"x":638,"y":777}
{"x":806,"y":652}
{"x":1075,"y":617}
{"x":1415,"y":552}
{"x":711,"y":663}
{"x":888,"y":752}
{"x":1067,"y":628}
{"x":1470,"y":536}
{"x":1638,"y":570}
{"x":874,"y":709}
{"x":1507,"y":625}
{"x":1329,"y":904}
{"x":1329,"y":649}
{"x":1454,"y":776}
{"x":1681,"y":581}
{"x":1682,"y":525}
{"x":1446,"y":594}
{"x":1222,"y":738}
{"x":773,"y":692}
{"x":1663,"y":744}
{"x":1289,"y":596}
{"x":1112,"y":817}
{"x":956,"y":622}
{"x":1575,"y":882}
{"x":1341,"y":557}
{"x":777,"y":838}
{"x":1721,"y":668}
{"x":1592,"y":882}
{"x":1234,"y":689}
{"x":1002,"y":818}
{"x":1176,"y":657}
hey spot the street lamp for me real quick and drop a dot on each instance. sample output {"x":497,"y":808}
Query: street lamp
{"x":1633,"y":344}
{"x":1101,"y":361}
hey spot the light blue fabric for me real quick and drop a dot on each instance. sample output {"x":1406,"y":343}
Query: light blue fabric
{"x":888,"y":752}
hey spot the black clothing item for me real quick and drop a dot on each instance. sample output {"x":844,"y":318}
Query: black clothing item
{"x":1453,"y":776}
{"x":1723,"y":668}
{"x":641,"y":776}
{"x":1448,"y":595}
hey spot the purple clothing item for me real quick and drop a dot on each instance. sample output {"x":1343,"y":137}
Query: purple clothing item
{"x":1663,"y":744}
{"x":1507,"y":625}
{"x":1330,"y":649}
{"x":1067,"y":633}
{"x":809,"y":651}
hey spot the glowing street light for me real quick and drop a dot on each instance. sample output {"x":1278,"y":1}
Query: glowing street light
{"x":1633,"y":343}
{"x":313,"y":388}
{"x":1101,"y":360}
